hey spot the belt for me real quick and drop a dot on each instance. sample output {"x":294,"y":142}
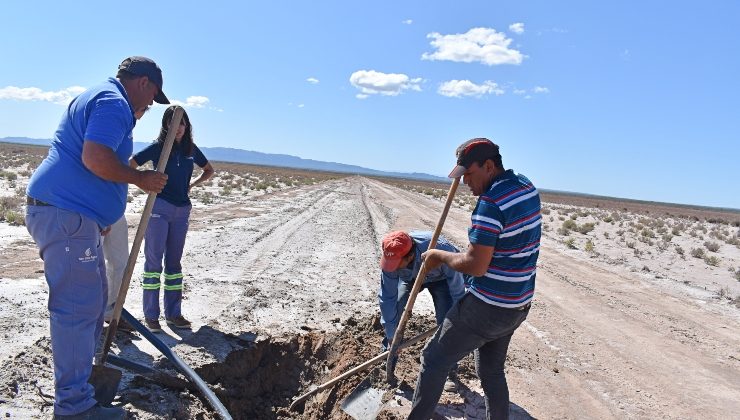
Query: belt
{"x":34,"y":202}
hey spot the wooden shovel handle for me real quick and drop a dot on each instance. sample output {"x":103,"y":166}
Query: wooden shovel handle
{"x":136,"y":246}
{"x":418,"y":282}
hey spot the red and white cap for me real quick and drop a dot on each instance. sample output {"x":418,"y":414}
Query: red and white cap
{"x":473,"y":150}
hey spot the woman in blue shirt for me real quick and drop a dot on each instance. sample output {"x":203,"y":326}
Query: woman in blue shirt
{"x":168,"y":226}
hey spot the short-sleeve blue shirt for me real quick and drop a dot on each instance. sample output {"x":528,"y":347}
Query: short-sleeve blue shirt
{"x":102,"y":115}
{"x":179,"y":170}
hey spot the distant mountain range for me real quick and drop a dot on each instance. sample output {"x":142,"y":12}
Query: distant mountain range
{"x":226,"y":154}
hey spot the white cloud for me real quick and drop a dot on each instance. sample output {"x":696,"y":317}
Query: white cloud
{"x":371,"y":82}
{"x":460,"y":88}
{"x":407,"y":21}
{"x":517,"y":28}
{"x":478,"y":44}
{"x":519,"y":91}
{"x":312,"y":80}
{"x":540,"y":89}
{"x":301,"y":105}
{"x":192,"y":102}
{"x":61,"y":97}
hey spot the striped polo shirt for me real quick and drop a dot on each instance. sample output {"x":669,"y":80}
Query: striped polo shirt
{"x":507,"y":218}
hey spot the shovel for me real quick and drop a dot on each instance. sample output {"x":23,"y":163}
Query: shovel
{"x":398,"y":336}
{"x":104,"y":379}
{"x":298,"y":401}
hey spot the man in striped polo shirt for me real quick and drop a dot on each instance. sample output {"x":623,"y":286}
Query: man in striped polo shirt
{"x":501,"y":261}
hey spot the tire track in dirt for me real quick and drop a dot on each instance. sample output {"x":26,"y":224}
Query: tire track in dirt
{"x":623,"y":349}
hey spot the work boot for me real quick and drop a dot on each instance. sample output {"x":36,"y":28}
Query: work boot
{"x":96,"y":412}
{"x":153,"y":325}
{"x":178,"y":322}
{"x":123,"y":326}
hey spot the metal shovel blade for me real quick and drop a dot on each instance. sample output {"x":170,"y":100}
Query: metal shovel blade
{"x":105,"y":380}
{"x":364,"y":402}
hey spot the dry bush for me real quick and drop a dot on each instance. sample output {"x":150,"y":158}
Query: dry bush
{"x":585,"y":228}
{"x":571,"y":243}
{"x":679,"y":250}
{"x":712,"y":246}
{"x":570,"y":225}
{"x":711,"y":260}
{"x":647,"y":233}
{"x":697,"y":252}
{"x":589,"y":247}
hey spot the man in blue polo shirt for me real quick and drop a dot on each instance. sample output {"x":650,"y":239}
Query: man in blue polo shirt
{"x":76,"y":193}
{"x":502,"y":260}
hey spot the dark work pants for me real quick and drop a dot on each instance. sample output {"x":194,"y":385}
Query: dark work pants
{"x":471,"y":325}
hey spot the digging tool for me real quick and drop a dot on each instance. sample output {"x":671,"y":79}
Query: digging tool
{"x":418,"y":282}
{"x":360,"y":368}
{"x":106,"y":379}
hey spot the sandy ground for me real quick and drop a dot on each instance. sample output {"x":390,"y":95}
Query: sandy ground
{"x":289,"y":279}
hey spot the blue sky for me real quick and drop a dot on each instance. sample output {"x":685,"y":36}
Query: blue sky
{"x":635,"y":99}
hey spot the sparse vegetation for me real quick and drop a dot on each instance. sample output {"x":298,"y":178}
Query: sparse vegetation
{"x":697,"y":252}
{"x":571,"y":243}
{"x":711,"y":260}
{"x":712,"y":246}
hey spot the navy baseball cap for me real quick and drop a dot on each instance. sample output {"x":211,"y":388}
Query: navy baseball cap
{"x":142,"y":66}
{"x":473,"y":150}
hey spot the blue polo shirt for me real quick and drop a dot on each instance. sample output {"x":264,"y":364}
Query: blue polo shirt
{"x":102,"y":115}
{"x":507,"y":218}
{"x":179,"y":170}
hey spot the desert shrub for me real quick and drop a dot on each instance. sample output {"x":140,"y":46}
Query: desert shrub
{"x":574,"y":216}
{"x":570,"y":243}
{"x":545,"y":210}
{"x":606,"y":235}
{"x":12,"y":217}
{"x":589,"y":246}
{"x":563,"y":231}
{"x":712,"y":246}
{"x":679,"y":250}
{"x":647,"y":233}
{"x":570,"y":225}
{"x":631,"y":244}
{"x":561,"y":218}
{"x":667,"y":237}
{"x":676,"y":231}
{"x":620,"y":232}
{"x":585,"y":228}
{"x":637,"y":252}
{"x":663,"y":245}
{"x":711,"y":260}
{"x":697,"y":252}
{"x":723,"y":293}
{"x":737,"y":275}
{"x":733,"y":241}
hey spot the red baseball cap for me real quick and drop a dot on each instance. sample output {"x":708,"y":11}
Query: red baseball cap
{"x":396,"y":245}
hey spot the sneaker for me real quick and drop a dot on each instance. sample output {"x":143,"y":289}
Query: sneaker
{"x":96,"y":412}
{"x":450,"y":386}
{"x":153,"y":325}
{"x":178,"y":322}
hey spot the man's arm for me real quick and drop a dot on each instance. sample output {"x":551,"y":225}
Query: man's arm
{"x":103,"y":162}
{"x":474,"y":261}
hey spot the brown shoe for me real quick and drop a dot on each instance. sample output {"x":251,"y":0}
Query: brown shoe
{"x":153,"y":325}
{"x":124,"y":326}
{"x":178,"y":322}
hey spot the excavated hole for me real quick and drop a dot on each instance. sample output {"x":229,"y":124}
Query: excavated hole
{"x":262,"y":380}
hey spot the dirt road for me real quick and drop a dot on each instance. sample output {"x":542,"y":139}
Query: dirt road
{"x":600,"y":341}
